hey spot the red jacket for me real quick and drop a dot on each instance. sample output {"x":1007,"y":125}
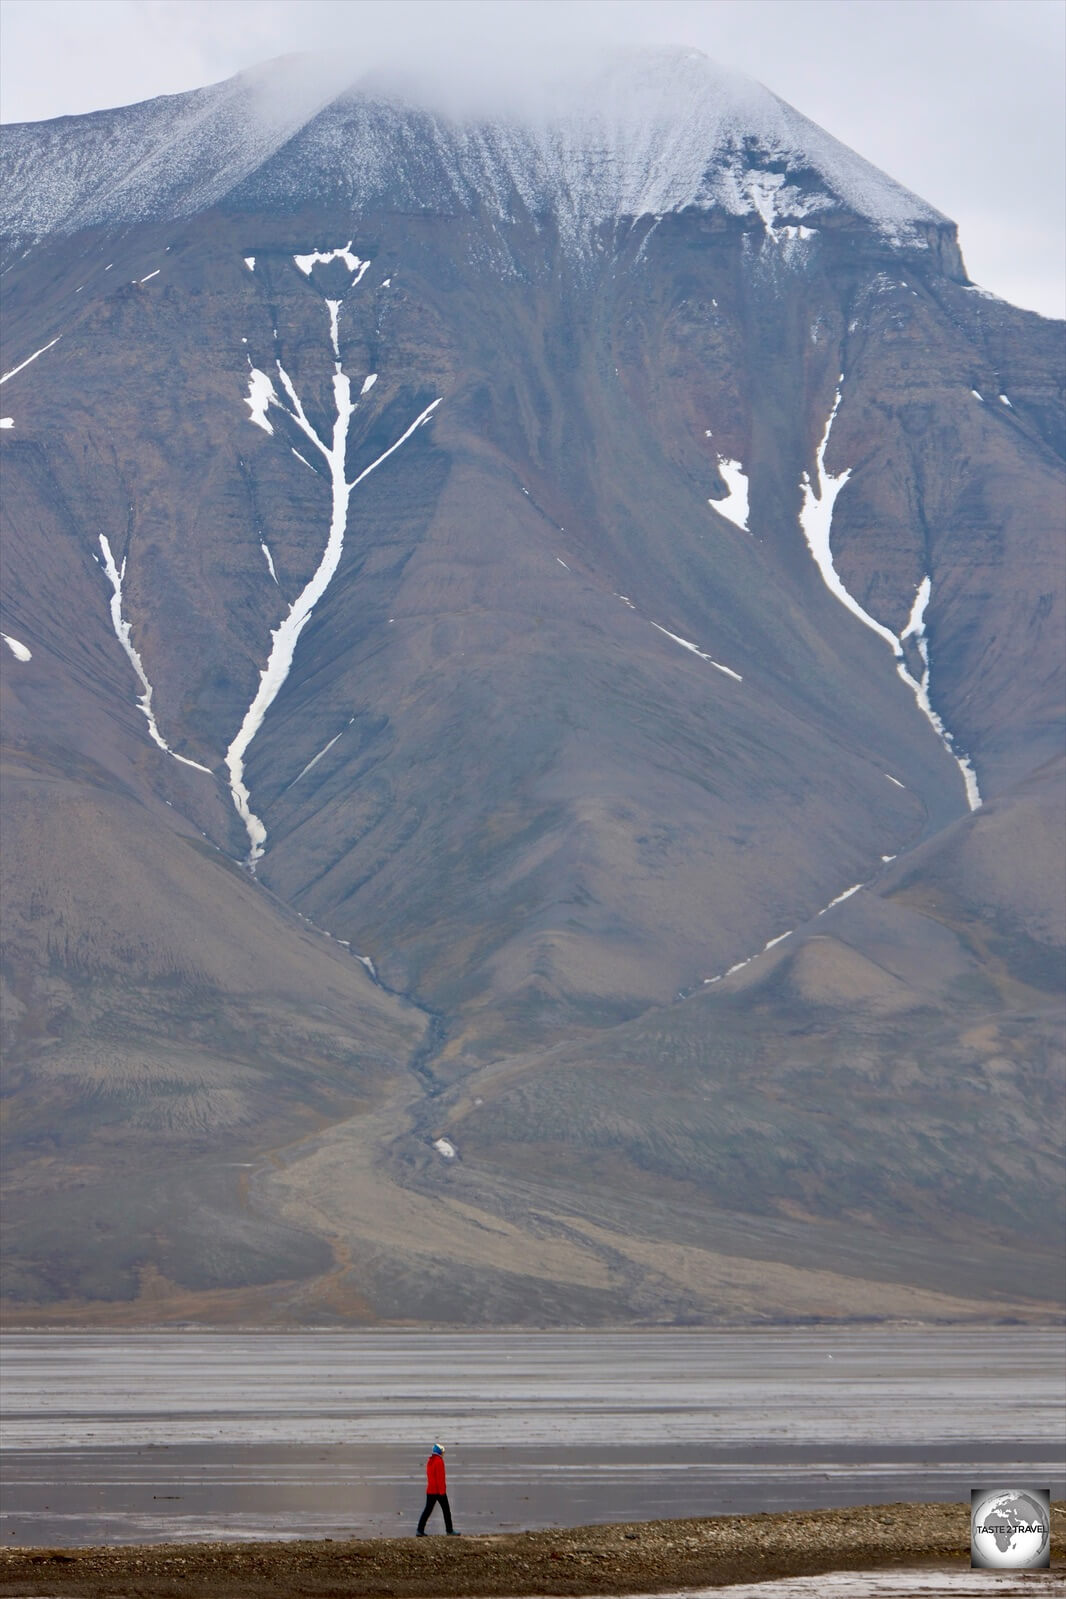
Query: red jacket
{"x":435,"y":1483}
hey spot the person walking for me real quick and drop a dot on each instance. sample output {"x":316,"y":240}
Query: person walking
{"x":436,"y":1493}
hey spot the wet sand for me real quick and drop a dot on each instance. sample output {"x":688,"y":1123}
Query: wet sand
{"x":652,"y":1557}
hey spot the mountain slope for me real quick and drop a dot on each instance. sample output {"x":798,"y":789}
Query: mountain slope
{"x":561,"y":557}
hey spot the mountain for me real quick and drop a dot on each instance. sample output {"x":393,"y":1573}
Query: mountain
{"x":533,"y":718}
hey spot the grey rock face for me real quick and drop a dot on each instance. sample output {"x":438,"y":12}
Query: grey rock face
{"x":562,"y":570}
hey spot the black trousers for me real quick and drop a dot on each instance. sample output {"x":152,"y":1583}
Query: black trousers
{"x":436,"y":1499}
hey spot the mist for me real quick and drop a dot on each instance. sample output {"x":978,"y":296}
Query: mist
{"x":961,"y":103}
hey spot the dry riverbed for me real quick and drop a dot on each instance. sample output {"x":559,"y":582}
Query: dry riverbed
{"x":627,"y":1558}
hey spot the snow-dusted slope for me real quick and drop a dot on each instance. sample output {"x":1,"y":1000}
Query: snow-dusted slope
{"x":172,"y":156}
{"x":647,"y":135}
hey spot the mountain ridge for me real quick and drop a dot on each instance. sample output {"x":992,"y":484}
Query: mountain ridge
{"x":647,"y":136}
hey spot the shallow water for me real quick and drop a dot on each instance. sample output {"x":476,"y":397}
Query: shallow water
{"x":144,"y":1437}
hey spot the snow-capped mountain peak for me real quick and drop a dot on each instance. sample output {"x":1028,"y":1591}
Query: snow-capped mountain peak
{"x":639,"y":135}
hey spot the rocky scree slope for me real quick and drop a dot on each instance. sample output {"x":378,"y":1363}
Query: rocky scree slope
{"x":605,"y":574}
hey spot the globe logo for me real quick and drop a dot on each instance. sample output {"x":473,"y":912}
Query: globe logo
{"x":1010,"y":1528}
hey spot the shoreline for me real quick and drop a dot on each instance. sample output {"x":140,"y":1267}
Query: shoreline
{"x":609,"y":1559}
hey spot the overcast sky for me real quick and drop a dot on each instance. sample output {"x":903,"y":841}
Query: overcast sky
{"x":961,"y":100}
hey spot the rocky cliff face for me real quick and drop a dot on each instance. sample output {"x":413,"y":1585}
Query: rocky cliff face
{"x":603,"y":572}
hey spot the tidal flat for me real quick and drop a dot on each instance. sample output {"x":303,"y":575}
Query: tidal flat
{"x":871,"y":1552}
{"x":194,"y":1436}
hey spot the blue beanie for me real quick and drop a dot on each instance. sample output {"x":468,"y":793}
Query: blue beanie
{"x":437,"y":1449}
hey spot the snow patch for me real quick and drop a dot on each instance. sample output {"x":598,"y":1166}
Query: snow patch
{"x":334,"y":307}
{"x":368,"y":383}
{"x":260,"y":395}
{"x":7,"y":421}
{"x":150,"y":276}
{"x":686,"y":644}
{"x":444,"y":1147}
{"x":895,"y":780}
{"x":739,"y":966}
{"x":269,"y":557}
{"x":344,"y":253}
{"x":304,"y":459}
{"x":316,"y":758}
{"x":124,"y":634}
{"x":854,"y":889}
{"x":23,"y":364}
{"x":915,"y":629}
{"x":1004,"y":401}
{"x":735,"y":505}
{"x":19,"y":650}
{"x":249,"y":262}
{"x":978,"y":396}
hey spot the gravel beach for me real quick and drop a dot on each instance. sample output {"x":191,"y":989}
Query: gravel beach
{"x":626,"y":1558}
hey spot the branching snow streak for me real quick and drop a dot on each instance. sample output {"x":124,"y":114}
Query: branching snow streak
{"x":30,"y":358}
{"x":816,"y":518}
{"x":123,"y":632}
{"x":285,"y":637}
